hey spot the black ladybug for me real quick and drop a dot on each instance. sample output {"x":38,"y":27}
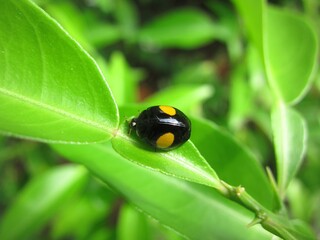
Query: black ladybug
{"x":162,"y":127}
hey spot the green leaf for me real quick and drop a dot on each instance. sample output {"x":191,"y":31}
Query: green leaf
{"x":103,"y":34}
{"x":185,"y":162}
{"x":181,"y":96}
{"x":195,"y":211}
{"x":126,"y":14}
{"x":241,"y":98}
{"x":195,"y":73}
{"x":132,"y":225}
{"x":88,"y":31}
{"x":184,"y":28}
{"x":123,"y":80}
{"x":233,"y":163}
{"x":71,"y":19}
{"x":290,"y":135}
{"x":287,"y":44}
{"x":252,"y":12}
{"x":290,"y":54}
{"x":47,"y":81}
{"x":39,"y":200}
{"x":91,"y":204}
{"x":135,"y":225}
{"x":299,"y":197}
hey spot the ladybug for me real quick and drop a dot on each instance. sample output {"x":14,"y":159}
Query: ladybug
{"x":162,"y":127}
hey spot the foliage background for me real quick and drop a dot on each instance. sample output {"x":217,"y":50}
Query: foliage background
{"x":200,"y":57}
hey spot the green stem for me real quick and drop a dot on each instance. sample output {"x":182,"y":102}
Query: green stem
{"x":274,"y":223}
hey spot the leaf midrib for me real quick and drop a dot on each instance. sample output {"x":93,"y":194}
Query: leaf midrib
{"x":58,"y":111}
{"x":211,"y":180}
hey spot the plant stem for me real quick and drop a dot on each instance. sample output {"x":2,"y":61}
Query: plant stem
{"x":274,"y":223}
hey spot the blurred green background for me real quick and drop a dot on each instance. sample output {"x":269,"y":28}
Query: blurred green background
{"x":153,"y":50}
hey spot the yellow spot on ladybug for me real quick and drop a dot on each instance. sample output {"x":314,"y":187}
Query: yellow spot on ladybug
{"x":168,"y":110}
{"x":165,"y":140}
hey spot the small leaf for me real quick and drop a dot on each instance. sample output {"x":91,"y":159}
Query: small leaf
{"x":127,"y":19}
{"x":252,"y":14}
{"x":103,"y":34}
{"x":184,"y":28}
{"x":90,"y":204}
{"x":290,"y":137}
{"x":196,"y":72}
{"x":290,"y":54}
{"x":47,"y":81}
{"x":232,"y":161}
{"x":123,"y":80}
{"x":241,"y":98}
{"x":185,"y":96}
{"x":132,"y":225}
{"x":39,"y":200}
{"x":185,"y":162}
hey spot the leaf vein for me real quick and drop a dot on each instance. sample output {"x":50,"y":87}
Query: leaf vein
{"x":54,"y":109}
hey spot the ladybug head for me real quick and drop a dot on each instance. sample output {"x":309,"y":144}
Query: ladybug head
{"x":133,"y":123}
